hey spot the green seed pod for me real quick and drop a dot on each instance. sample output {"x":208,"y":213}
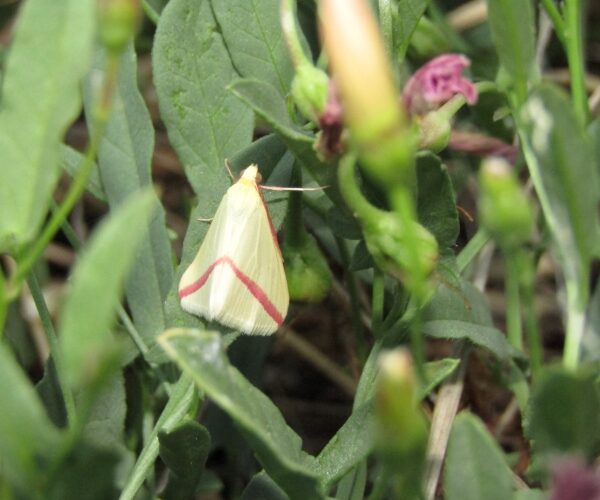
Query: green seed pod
{"x":307,"y":272}
{"x":118,"y":23}
{"x":401,"y":429}
{"x":309,"y":91}
{"x":504,"y":209}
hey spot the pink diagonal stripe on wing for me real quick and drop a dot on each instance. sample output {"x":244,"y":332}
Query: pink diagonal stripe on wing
{"x":252,"y":286}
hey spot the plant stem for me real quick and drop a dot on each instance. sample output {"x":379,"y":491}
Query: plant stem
{"x":182,"y":399}
{"x":40,"y":303}
{"x":79,"y":182}
{"x":532,"y":332}
{"x":471,"y":250}
{"x":150,"y":12}
{"x":557,"y":20}
{"x":377,"y":301}
{"x":574,"y":40}
{"x":575,"y":327}
{"x":4,"y":299}
{"x":513,"y":300}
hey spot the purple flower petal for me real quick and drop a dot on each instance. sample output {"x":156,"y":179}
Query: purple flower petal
{"x":437,"y":82}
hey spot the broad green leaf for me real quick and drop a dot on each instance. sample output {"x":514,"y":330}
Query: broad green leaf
{"x":105,"y":423}
{"x":40,"y":98}
{"x":262,"y":487}
{"x":564,"y":415}
{"x":560,"y":158}
{"x":350,"y":446}
{"x":399,"y":19}
{"x":436,"y":203}
{"x":512,"y":26}
{"x":124,"y":162}
{"x":27,"y":438}
{"x":72,"y":160}
{"x":205,"y":123}
{"x":184,"y":450}
{"x":252,"y":33}
{"x":87,"y":473}
{"x":464,"y":314}
{"x":90,"y":307}
{"x":475,"y":467}
{"x":530,"y":495}
{"x":278,"y":448}
{"x":270,"y":106}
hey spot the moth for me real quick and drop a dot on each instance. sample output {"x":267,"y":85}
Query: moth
{"x":237,"y":278}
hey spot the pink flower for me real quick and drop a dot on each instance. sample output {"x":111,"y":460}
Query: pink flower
{"x":436,"y":83}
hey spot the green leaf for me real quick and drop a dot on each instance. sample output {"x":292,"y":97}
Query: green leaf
{"x":512,"y":26}
{"x":266,"y":103}
{"x":262,"y":487}
{"x":105,"y":423}
{"x":352,"y":486}
{"x":205,"y":123}
{"x":436,"y":372}
{"x":463,"y":314}
{"x":184,"y":450}
{"x":530,"y":495}
{"x":72,"y":160}
{"x":560,"y":157}
{"x":564,"y":415}
{"x":436,"y":203}
{"x":350,"y":445}
{"x":399,"y":19}
{"x":86,"y":473}
{"x":90,"y":308}
{"x":253,"y":36}
{"x":475,"y":467}
{"x":125,"y":162}
{"x":22,"y":454}
{"x":278,"y":448}
{"x":40,"y":98}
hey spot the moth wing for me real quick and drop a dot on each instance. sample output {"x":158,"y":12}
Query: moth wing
{"x":237,"y":278}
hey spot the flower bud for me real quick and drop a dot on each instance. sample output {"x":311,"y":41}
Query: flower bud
{"x":436,"y":82}
{"x":361,"y":70}
{"x":504,"y":209}
{"x":307,"y":272}
{"x":401,"y":432}
{"x":309,"y":90}
{"x":119,"y":21}
{"x":394,"y":249}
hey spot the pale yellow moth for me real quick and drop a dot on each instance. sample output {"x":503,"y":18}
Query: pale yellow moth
{"x":237,"y":277}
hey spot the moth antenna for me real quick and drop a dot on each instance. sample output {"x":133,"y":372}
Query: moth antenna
{"x":204,"y":219}
{"x":282,"y":188}
{"x":229,"y":171}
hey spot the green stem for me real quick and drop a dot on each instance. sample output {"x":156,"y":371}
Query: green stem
{"x":513,"y":300}
{"x":290,"y":33}
{"x":4,"y":300}
{"x":377,"y":300}
{"x":295,"y":234}
{"x":150,"y":12}
{"x":183,"y":398}
{"x":575,"y":327}
{"x":574,"y":39}
{"x":382,"y":484}
{"x":40,"y":303}
{"x":349,"y":189}
{"x":354,"y":300}
{"x":556,"y":18}
{"x":471,"y":250}
{"x":79,"y":182}
{"x":532,"y":331}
